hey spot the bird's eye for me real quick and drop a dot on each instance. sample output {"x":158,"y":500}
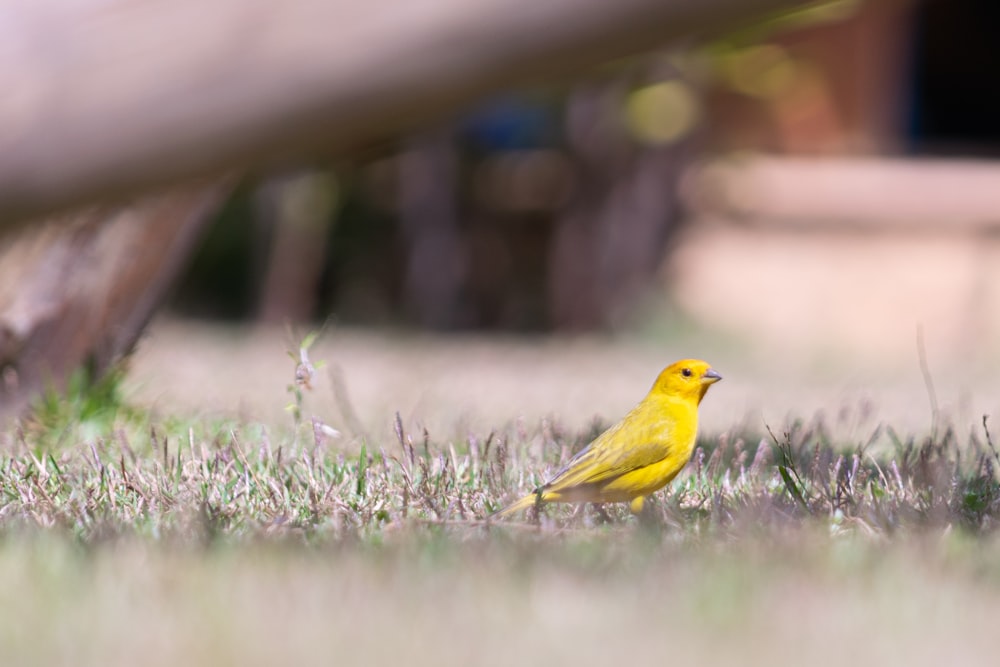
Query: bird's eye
{"x":686,"y":372}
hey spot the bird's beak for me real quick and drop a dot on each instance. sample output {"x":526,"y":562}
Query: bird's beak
{"x":710,"y":376}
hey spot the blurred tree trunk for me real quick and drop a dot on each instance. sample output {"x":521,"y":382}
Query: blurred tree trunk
{"x":297,"y":210}
{"x":79,"y":289}
{"x":610,"y":240}
{"x":428,"y":203}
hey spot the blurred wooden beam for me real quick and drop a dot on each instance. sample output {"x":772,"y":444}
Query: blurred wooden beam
{"x":850,"y":193}
{"x":102,"y":98}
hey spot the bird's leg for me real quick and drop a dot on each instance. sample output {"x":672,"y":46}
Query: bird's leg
{"x":651,"y":519}
{"x":535,"y":511}
{"x":644,"y":512}
{"x":601,"y":514}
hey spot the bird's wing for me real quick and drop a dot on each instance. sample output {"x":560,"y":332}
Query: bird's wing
{"x":626,"y":446}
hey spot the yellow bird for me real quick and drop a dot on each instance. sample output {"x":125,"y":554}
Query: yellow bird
{"x":640,"y":454}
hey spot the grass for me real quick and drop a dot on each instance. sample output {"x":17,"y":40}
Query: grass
{"x":128,"y":535}
{"x":230,"y":481}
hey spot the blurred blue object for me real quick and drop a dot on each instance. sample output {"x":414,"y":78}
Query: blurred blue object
{"x":510,"y":123}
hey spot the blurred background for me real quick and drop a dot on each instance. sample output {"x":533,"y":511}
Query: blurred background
{"x":812,"y":200}
{"x":641,"y":191}
{"x":796,"y":199}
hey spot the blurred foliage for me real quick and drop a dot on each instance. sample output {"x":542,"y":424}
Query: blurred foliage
{"x":89,"y":406}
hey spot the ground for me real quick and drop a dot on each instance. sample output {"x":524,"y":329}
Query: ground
{"x":214,"y":530}
{"x":812,"y":602}
{"x":466,"y":383}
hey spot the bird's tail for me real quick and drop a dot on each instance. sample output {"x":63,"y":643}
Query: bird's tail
{"x":516,"y":506}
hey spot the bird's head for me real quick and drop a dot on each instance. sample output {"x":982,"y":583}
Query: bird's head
{"x":687,"y":378}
